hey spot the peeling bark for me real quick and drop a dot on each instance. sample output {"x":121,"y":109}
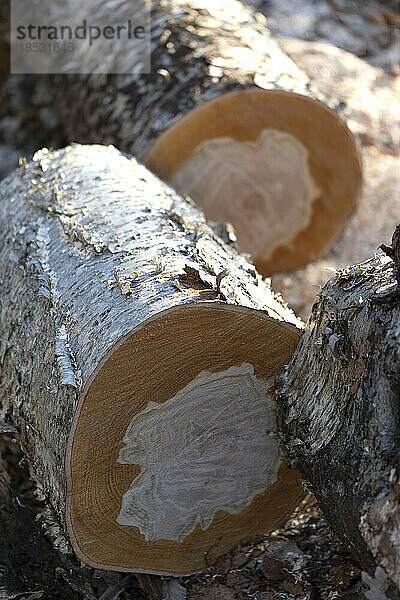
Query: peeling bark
{"x":340,"y":409}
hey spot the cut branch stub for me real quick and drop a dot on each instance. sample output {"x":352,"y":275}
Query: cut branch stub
{"x":165,"y":345}
{"x":281,"y":167}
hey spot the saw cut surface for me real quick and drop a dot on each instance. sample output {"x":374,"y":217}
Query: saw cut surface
{"x":283,"y":168}
{"x":209,"y":460}
{"x":173,"y":460}
{"x":263,"y":187}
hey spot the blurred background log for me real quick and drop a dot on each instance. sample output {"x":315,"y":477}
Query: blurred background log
{"x":201,"y":51}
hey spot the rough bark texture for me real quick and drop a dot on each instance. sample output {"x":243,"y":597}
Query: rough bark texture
{"x":341,"y":409}
{"x":92,"y":245}
{"x":200,"y":49}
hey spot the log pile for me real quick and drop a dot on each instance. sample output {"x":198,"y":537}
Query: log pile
{"x":140,"y":353}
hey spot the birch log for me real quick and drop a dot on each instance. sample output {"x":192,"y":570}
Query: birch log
{"x":119,"y":305}
{"x":340,"y":409}
{"x":279,"y":164}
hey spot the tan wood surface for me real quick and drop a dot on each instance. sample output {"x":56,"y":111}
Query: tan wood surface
{"x":333,"y":155}
{"x":153,"y":362}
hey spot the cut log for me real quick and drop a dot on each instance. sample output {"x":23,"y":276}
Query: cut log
{"x":340,"y":409}
{"x":118,"y":304}
{"x":287,"y":167}
{"x":281,"y":167}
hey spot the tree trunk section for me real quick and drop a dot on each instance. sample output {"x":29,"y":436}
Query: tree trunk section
{"x":116,"y":301}
{"x":201,"y":52}
{"x":340,"y":410}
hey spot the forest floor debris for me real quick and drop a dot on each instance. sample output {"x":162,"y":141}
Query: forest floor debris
{"x":300,"y":560}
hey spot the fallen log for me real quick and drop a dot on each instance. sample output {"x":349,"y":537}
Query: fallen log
{"x":340,"y":411}
{"x":279,"y":164}
{"x":120,"y":306}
